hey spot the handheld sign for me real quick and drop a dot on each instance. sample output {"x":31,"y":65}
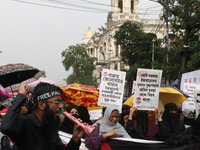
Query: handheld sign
{"x":111,"y":88}
{"x":189,"y":89}
{"x":147,"y":87}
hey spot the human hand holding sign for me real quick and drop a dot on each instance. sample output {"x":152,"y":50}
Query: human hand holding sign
{"x":131,"y":113}
{"x":157,"y":113}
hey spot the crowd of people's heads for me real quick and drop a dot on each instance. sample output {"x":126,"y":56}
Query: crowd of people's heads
{"x":47,"y":104}
{"x":129,"y":122}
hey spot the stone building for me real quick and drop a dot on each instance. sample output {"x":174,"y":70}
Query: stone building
{"x":102,"y":46}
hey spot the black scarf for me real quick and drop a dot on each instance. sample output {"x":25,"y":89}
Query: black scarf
{"x":142,"y":121}
{"x":67,"y":125}
{"x":188,"y":121}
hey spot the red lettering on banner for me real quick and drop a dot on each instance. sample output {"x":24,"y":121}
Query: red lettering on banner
{"x":194,"y":79}
{"x":190,"y":80}
{"x":186,"y":80}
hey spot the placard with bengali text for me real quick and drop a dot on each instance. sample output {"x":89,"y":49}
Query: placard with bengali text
{"x":111,"y":88}
{"x":147,"y":87}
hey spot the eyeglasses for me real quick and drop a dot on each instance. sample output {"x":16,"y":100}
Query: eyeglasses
{"x":56,"y":102}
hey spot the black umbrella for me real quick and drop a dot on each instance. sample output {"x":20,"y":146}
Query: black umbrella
{"x":11,"y":74}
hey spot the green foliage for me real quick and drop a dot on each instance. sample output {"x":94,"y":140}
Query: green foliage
{"x":137,"y":47}
{"x":76,"y":56}
{"x":71,"y":79}
{"x":184,"y":18}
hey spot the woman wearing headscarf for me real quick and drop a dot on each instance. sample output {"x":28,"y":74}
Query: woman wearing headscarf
{"x":139,"y":126}
{"x":108,"y":128}
{"x":84,"y":115}
{"x":172,"y":123}
{"x":67,"y":125}
{"x":190,"y":135}
{"x":188,"y":118}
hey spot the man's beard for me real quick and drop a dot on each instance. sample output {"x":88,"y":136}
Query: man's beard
{"x":51,"y":123}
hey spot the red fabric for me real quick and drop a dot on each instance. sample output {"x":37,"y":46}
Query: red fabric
{"x":4,"y":110}
{"x":152,"y":129}
{"x":104,"y":146}
{"x":10,"y":140}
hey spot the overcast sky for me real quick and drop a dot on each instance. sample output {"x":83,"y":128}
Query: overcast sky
{"x":35,"y":32}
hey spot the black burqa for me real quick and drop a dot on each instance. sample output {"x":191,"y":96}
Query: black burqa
{"x":196,"y":130}
{"x":84,"y":115}
{"x":67,"y":125}
{"x":172,"y":121}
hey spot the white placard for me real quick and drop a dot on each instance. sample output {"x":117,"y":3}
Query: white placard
{"x":197,"y":101}
{"x":189,"y":88}
{"x":190,"y":77}
{"x":95,"y":114}
{"x":147,"y":89}
{"x":111,"y":88}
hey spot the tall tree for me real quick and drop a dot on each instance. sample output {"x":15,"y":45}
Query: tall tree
{"x":137,"y":48}
{"x":83,"y":65}
{"x":184,"y":18}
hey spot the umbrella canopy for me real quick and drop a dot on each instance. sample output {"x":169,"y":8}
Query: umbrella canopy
{"x":167,"y":94}
{"x":3,"y":94}
{"x":31,"y":83}
{"x":16,"y":73}
{"x":81,"y":95}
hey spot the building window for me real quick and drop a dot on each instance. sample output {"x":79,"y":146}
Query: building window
{"x":132,"y":6}
{"x":116,"y":66}
{"x":116,"y":50}
{"x":120,"y":6}
{"x":104,"y":46}
{"x":109,"y":41}
{"x":91,"y":51}
{"x":121,"y":48}
{"x":122,"y":66}
{"x":101,"y":49}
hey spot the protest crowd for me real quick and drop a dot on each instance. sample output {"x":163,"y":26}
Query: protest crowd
{"x":33,"y":129}
{"x":33,"y":120}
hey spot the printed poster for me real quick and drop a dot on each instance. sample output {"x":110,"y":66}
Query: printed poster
{"x":190,"y":77}
{"x":111,"y":88}
{"x":189,"y":88}
{"x":147,"y":89}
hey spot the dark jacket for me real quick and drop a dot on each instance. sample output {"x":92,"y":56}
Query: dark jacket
{"x":27,"y":131}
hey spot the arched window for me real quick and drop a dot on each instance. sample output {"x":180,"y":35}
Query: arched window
{"x":132,"y":6}
{"x":109,"y":41}
{"x":120,"y":6}
{"x":101,"y":49}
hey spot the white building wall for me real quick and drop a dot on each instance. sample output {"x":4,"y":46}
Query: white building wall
{"x":117,"y":20}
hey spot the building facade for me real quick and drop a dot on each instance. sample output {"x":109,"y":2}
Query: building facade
{"x":102,"y":46}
